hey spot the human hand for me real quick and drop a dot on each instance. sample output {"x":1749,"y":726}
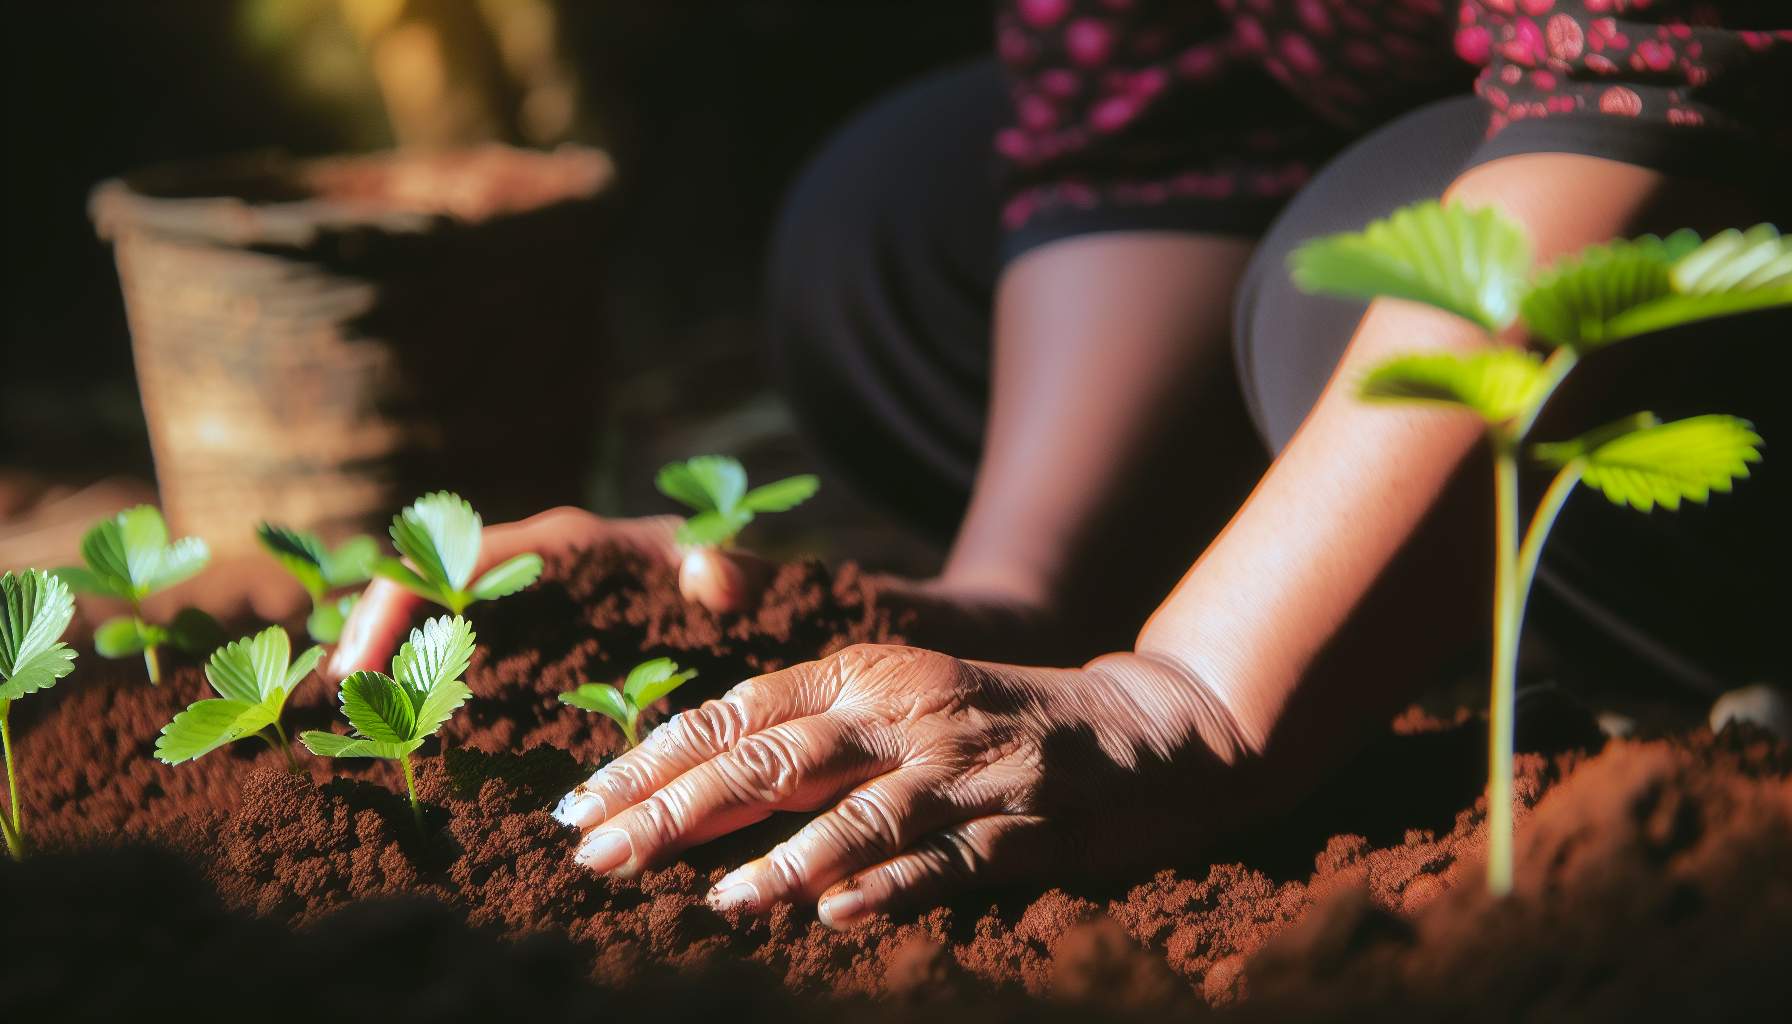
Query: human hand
{"x":721,"y":581}
{"x":933,"y":773}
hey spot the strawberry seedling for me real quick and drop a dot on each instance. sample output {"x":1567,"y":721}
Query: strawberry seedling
{"x":392,"y":715}
{"x":129,"y":556}
{"x":320,"y":570}
{"x":440,"y":534}
{"x":252,"y":677}
{"x":1478,"y":266}
{"x":646,"y":683}
{"x":35,"y":607}
{"x":716,"y":487}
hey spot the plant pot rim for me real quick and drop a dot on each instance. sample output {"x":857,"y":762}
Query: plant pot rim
{"x":271,"y":198}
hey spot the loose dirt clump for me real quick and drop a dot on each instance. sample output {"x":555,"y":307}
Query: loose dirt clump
{"x":1652,"y":874}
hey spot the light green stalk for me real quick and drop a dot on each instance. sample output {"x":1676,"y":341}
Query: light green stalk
{"x":410,"y":785}
{"x":15,"y":828}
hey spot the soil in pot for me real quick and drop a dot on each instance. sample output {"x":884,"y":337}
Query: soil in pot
{"x":1653,"y":874}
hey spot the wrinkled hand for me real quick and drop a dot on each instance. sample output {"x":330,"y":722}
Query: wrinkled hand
{"x":720,"y":581}
{"x":933,"y":773}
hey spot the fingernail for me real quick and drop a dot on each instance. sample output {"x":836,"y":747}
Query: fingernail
{"x":580,"y":808}
{"x":731,"y":893}
{"x":605,"y":851}
{"x":842,"y":908}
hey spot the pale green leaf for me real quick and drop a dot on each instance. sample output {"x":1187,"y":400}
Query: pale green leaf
{"x":102,"y":547}
{"x":1497,"y":383}
{"x":1472,"y":263}
{"x":1662,"y":463}
{"x":120,"y":637}
{"x":86,"y":581}
{"x":329,"y":744}
{"x":301,"y":667}
{"x":440,"y":703}
{"x":299,"y":553}
{"x":351,"y":563}
{"x":251,"y":668}
{"x":144,"y":536}
{"x":401,"y":574}
{"x":325,"y":621}
{"x":379,"y":708}
{"x":508,"y":577}
{"x":599,"y":697}
{"x":1734,"y":261}
{"x":781,"y":495}
{"x":35,"y":608}
{"x":436,"y":654}
{"x":651,"y":680}
{"x":440,"y":534}
{"x":705,"y":483}
{"x":210,"y":724}
{"x":1589,"y":299}
{"x":710,"y":529}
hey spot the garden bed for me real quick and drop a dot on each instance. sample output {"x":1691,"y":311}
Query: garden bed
{"x":1653,"y":875}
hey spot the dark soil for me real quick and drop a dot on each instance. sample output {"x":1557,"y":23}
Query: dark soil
{"x":1654,"y":876}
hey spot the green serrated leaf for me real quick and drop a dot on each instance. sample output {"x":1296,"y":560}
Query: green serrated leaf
{"x":119,"y":637}
{"x":705,"y":483}
{"x":329,"y":744}
{"x":647,"y":673}
{"x":210,"y":724}
{"x":439,"y":705}
{"x":1497,"y":383}
{"x":86,"y":581}
{"x":711,"y":529}
{"x":401,"y":574}
{"x":1736,"y":261}
{"x":508,"y":577}
{"x":599,"y":697}
{"x":102,"y":547}
{"x":781,"y":495}
{"x":144,"y":536}
{"x":250,"y":669}
{"x":440,"y":534}
{"x":1663,"y":463}
{"x":301,"y":667}
{"x":1589,"y":299}
{"x":299,"y":553}
{"x":438,"y":653}
{"x":379,"y":708}
{"x":35,"y":608}
{"x":351,"y":563}
{"x":646,"y":695}
{"x":1472,"y":263}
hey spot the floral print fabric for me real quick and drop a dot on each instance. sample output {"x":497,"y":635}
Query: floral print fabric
{"x":1212,"y":112}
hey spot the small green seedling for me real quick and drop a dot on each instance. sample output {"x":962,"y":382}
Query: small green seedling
{"x":320,"y":570}
{"x":646,"y":683}
{"x":129,"y":556}
{"x":1478,"y":266}
{"x":716,"y":486}
{"x":253,"y":677}
{"x":392,"y":715}
{"x":35,"y":607}
{"x":439,"y":533}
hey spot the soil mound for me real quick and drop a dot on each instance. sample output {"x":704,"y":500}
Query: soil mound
{"x":1652,"y":874}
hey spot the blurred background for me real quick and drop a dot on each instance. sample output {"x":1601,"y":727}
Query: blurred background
{"x":696,"y":115}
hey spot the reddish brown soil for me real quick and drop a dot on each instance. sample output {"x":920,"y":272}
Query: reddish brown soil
{"x":1654,"y":875}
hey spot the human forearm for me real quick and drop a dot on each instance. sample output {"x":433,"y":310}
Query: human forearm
{"x":1291,"y":614}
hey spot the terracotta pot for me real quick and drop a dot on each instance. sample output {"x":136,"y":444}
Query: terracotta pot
{"x":318,"y":342}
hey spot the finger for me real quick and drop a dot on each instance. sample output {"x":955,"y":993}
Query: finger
{"x":374,"y":629}
{"x":723,"y":581}
{"x":693,"y":737}
{"x":871,"y":824}
{"x":983,"y":850}
{"x":796,"y":766}
{"x":382,"y":618}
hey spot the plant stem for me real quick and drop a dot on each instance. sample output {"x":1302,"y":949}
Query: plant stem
{"x":628,"y":729}
{"x":1505,"y":665}
{"x":153,"y":664}
{"x":15,"y":829}
{"x":410,"y":785}
{"x":1542,"y":521}
{"x":1555,"y":370}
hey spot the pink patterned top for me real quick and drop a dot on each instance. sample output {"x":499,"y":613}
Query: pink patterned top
{"x":1209,"y":114}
